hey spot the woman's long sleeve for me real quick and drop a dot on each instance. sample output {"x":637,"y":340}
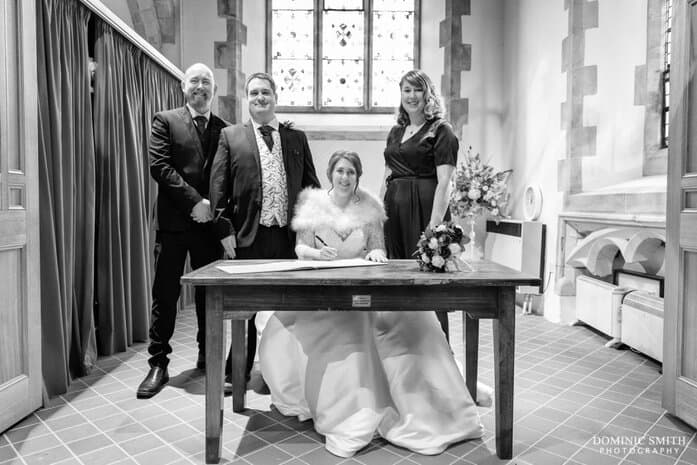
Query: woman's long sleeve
{"x":303,"y":249}
{"x":375,"y":237}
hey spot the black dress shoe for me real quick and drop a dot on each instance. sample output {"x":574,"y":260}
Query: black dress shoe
{"x":201,"y":360}
{"x":152,"y":384}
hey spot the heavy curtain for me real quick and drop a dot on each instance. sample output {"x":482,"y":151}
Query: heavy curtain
{"x":66,"y":193}
{"x":95,"y":189}
{"x":129,"y":88}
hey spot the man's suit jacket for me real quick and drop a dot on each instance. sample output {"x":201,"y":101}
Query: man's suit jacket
{"x":235,"y":190}
{"x":181,"y":165}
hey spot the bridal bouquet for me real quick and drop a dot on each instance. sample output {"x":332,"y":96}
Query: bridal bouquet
{"x":477,"y":188}
{"x":439,"y":249}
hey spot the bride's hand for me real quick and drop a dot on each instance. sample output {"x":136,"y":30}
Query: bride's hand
{"x":376,"y":255}
{"x":327,"y":253}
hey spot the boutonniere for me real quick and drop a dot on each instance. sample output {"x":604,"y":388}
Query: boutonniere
{"x":288,"y":124}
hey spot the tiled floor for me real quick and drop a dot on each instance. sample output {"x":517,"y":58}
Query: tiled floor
{"x":575,"y":400}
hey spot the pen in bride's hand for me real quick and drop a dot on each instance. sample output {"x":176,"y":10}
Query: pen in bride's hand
{"x":320,"y":239}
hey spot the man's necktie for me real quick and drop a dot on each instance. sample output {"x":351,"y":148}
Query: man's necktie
{"x":200,"y":124}
{"x":266,"y":131}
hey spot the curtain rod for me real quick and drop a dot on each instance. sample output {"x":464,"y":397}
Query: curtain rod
{"x":136,"y":39}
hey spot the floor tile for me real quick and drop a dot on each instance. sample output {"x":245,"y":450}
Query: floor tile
{"x":635,"y":424}
{"x":48,"y":456}
{"x":245,"y":445}
{"x":585,"y":424}
{"x":33,"y":431}
{"x":7,"y":453}
{"x":31,"y":446}
{"x":104,"y":456}
{"x":271,"y":455}
{"x":298,"y":445}
{"x":376,"y":454}
{"x":161,"y":455}
{"x":650,"y":459}
{"x":89,"y":444}
{"x":141,"y":444}
{"x":592,"y":457}
{"x":570,"y":389}
{"x":557,"y":446}
{"x":538,"y":456}
{"x":321,"y":455}
{"x":76,"y":432}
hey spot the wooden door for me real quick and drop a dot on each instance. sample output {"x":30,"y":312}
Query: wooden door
{"x":20,"y":312}
{"x":680,"y":328}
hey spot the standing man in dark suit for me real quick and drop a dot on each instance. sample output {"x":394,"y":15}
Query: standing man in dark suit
{"x":260,"y":168}
{"x":182,"y":145}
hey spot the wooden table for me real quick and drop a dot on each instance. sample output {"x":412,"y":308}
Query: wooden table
{"x":487,"y":292}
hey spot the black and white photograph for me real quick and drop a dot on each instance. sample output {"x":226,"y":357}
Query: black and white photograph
{"x":358,"y":232}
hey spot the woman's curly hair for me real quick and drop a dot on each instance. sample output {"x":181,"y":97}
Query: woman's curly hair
{"x":420,"y":80}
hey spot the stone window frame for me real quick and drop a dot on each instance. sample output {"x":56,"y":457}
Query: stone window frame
{"x":667,"y":55}
{"x":367,"y":106}
{"x":648,"y":92}
{"x":650,"y":82}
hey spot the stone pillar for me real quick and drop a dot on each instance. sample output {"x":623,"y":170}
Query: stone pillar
{"x":457,"y":58}
{"x":145,"y":20}
{"x":228,"y":55}
{"x":581,"y":80}
{"x":158,"y":22}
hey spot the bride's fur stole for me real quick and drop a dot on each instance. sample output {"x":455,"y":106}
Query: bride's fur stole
{"x":316,"y":210}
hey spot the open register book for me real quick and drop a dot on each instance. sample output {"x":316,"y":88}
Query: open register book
{"x":295,"y":265}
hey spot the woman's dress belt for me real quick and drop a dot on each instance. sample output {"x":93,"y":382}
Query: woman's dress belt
{"x":415,"y":176}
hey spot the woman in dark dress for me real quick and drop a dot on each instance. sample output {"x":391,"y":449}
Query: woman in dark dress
{"x":420,"y":158}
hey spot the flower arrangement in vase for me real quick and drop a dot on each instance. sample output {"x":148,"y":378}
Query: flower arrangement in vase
{"x":477,"y":188}
{"x":440,"y":249}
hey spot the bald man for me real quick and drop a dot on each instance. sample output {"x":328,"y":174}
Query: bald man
{"x":183,"y":143}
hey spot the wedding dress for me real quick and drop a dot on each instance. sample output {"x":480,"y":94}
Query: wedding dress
{"x":356,"y":374}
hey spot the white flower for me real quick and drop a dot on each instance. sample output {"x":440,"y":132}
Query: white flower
{"x":433,"y":243}
{"x":495,"y":211}
{"x":454,"y":248}
{"x":424,"y":258}
{"x":441,"y":228}
{"x":474,"y":194}
{"x":493,"y":202}
{"x":438,"y":261}
{"x":485,"y":188}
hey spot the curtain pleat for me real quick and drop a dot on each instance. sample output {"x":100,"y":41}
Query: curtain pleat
{"x":66,"y":192}
{"x":129,"y":89}
{"x":96,"y":193}
{"x":121,"y":212}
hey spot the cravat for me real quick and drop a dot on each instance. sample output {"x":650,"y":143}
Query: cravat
{"x":200,"y":124}
{"x":266,"y":131}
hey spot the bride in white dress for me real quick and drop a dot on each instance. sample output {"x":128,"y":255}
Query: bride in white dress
{"x":358,"y":374}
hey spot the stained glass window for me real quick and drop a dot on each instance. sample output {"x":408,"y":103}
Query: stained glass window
{"x":343,"y":4}
{"x":293,"y":52}
{"x":343,"y":55}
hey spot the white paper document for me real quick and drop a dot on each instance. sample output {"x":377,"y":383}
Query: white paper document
{"x":295,"y":265}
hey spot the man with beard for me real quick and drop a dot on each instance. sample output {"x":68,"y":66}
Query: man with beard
{"x":260,"y":168}
{"x":182,"y":145}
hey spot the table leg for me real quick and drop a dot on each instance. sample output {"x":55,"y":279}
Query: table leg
{"x":471,"y":344}
{"x":239,"y":363}
{"x":504,"y":358}
{"x":215,"y":365}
